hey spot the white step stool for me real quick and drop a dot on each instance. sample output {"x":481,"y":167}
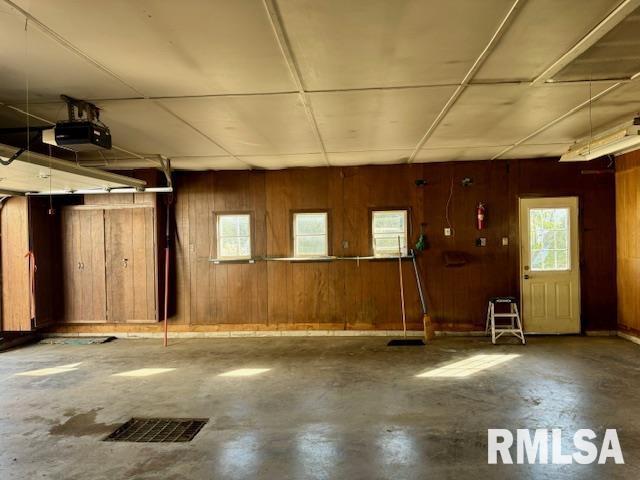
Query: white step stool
{"x":514,"y":327}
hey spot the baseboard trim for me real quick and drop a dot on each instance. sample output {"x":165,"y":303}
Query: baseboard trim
{"x":311,"y":333}
{"x":601,"y":333}
{"x":631,"y":338}
{"x":454,"y":333}
{"x":247,"y":333}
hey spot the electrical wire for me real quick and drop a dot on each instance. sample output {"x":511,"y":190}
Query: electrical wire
{"x":446,"y":211}
{"x":590,"y":115}
{"x":26,"y":78}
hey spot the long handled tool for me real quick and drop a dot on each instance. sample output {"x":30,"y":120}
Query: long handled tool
{"x":404,"y":341}
{"x":426,"y":318}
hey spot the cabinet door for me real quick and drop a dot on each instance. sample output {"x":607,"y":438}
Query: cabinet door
{"x":16,"y":281}
{"x":84,"y":266}
{"x":131,"y":265}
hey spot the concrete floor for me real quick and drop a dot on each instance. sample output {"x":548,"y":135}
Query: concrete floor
{"x":339,"y":408}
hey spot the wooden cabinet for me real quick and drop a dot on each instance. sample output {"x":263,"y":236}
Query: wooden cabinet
{"x":131,"y":266}
{"x":84,"y":266}
{"x":110,"y":264}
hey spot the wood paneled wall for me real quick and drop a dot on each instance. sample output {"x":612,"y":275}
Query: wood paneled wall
{"x":365,"y":294}
{"x":628,"y":250}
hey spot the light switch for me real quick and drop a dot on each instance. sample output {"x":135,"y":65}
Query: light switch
{"x":505,"y":241}
{"x":447,"y":232}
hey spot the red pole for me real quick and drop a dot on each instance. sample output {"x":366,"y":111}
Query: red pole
{"x":166,"y":293}
{"x":166,"y":270}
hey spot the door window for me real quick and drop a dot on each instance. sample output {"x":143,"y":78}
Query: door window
{"x":549,"y":239}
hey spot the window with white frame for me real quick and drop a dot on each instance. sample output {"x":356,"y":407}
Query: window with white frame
{"x":234,"y":236}
{"x":389,"y":233}
{"x":310,"y":234}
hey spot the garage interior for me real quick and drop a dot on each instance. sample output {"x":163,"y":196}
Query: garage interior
{"x":270,"y":191}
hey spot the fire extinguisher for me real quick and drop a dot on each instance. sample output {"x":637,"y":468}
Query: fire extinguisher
{"x":480,"y":224}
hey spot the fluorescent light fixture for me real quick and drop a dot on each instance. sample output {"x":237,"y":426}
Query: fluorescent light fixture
{"x":143,"y":372}
{"x":615,"y":141}
{"x":244,"y":372}
{"x":50,"y":371}
{"x":469,"y":366}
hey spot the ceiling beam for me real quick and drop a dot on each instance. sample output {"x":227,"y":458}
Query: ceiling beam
{"x":558,"y":119}
{"x":493,"y":41}
{"x":285,"y":47}
{"x":605,"y":26}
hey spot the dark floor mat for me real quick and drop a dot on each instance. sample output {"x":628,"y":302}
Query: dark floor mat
{"x":406,"y":342}
{"x":75,"y":340}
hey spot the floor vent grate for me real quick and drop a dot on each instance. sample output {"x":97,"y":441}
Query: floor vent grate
{"x":158,"y":430}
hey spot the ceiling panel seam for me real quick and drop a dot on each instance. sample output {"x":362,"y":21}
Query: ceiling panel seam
{"x":69,"y":46}
{"x":594,"y":35}
{"x":281,"y":37}
{"x":200,"y":132}
{"x":559,"y":119}
{"x":495,"y":38}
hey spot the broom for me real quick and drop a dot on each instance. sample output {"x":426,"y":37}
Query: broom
{"x":403,"y":341}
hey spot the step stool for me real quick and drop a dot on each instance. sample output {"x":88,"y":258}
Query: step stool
{"x":514,"y":327}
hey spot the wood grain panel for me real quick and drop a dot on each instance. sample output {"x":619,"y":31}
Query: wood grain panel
{"x":16,"y":288}
{"x":131,"y":270}
{"x":628,"y":246}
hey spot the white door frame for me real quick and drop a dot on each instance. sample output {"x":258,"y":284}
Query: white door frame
{"x":575,"y":261}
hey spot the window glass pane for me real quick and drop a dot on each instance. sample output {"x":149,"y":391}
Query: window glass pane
{"x":549,"y":239}
{"x":244,"y":247}
{"x":311,"y":223}
{"x":228,"y":225}
{"x":389,"y":244}
{"x":243,"y":225}
{"x":234,"y":236}
{"x":228,"y":247}
{"x":387,"y":226}
{"x":310,"y":232}
{"x":308,"y":245}
{"x":388,"y":222}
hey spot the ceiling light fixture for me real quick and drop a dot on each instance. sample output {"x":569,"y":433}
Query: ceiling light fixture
{"x":615,"y":141}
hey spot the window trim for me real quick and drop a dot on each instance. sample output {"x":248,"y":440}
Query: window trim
{"x":408,"y":229}
{"x":216,"y":243}
{"x":292,"y":225}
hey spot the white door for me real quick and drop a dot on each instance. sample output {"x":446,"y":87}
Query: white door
{"x":549,"y":265}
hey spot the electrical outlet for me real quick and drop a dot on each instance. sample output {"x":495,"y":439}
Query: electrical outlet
{"x":481,"y":242}
{"x":447,"y":232}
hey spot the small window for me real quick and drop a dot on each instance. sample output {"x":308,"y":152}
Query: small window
{"x":234,"y":236}
{"x":387,"y":226}
{"x":310,"y":238}
{"x":550,"y":240}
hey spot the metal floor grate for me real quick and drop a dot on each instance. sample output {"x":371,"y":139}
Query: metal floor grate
{"x":158,"y":430}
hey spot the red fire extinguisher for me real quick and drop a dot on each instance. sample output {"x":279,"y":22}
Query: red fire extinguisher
{"x":481,"y":216}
